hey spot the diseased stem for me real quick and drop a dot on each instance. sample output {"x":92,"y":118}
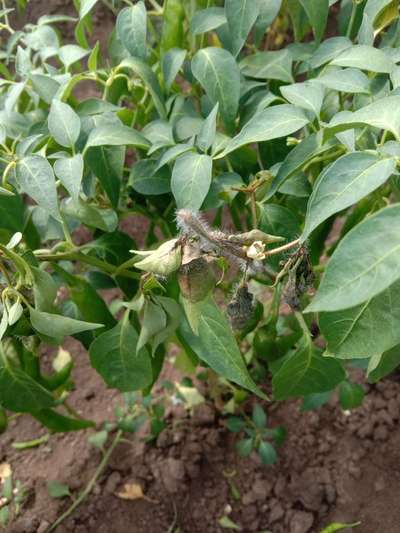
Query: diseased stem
{"x":90,"y":485}
{"x":283,"y":248}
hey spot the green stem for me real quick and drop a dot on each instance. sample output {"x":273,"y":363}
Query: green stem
{"x":89,"y":260}
{"x":283,"y":248}
{"x":303,"y":325}
{"x":90,"y":485}
{"x":352,"y":19}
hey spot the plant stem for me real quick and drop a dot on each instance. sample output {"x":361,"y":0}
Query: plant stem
{"x":352,"y":19}
{"x":253,"y":204}
{"x":283,"y":248}
{"x":93,"y":261}
{"x":90,"y":485}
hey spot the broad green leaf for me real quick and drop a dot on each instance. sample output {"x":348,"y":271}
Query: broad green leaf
{"x":149,"y":78}
{"x":259,"y":417}
{"x":267,"y":453}
{"x":317,"y":13}
{"x":113,"y":355}
{"x":299,"y":19}
{"x":95,"y":106}
{"x":44,"y":289}
{"x":174,"y":318}
{"x":207,"y":20}
{"x":191,"y":180}
{"x":64,"y":124}
{"x":307,"y":95}
{"x":116,"y":135}
{"x":154,"y":321}
{"x":86,"y":6}
{"x":352,"y":333}
{"x":57,"y":325}
{"x":172,"y":153}
{"x":173,"y":25}
{"x":348,"y":80}
{"x":12,"y":213}
{"x":381,"y":365}
{"x":328,"y":50}
{"x":275,"y":65}
{"x":218,"y":73}
{"x":36,"y":178}
{"x":383,"y":114}
{"x":70,"y":172}
{"x":45,"y":86}
{"x":241,"y":15}
{"x":217,"y":346}
{"x":365,"y":57}
{"x":272,"y":123}
{"x":91,"y":215}
{"x":310,"y":147}
{"x":93,"y":57}
{"x":343,"y":183}
{"x":71,"y":53}
{"x":306,"y":372}
{"x":363,"y":265}
{"x":145,"y":179}
{"x":376,"y":15}
{"x":107,"y":163}
{"x":206,"y":136}
{"x":19,"y":392}
{"x":269,"y":10}
{"x":132,"y":29}
{"x":351,"y":395}
{"x":171,"y":64}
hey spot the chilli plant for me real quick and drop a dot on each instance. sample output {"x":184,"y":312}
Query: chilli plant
{"x":261,"y":176}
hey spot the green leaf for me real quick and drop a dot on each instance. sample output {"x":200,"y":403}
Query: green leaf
{"x":57,"y":325}
{"x":217,"y":346}
{"x":343,"y":183}
{"x":244,"y":447}
{"x":307,"y":95}
{"x":383,"y":114}
{"x":70,"y":172}
{"x":317,"y":13}
{"x":381,"y":365}
{"x":171,"y":64}
{"x":149,"y":78}
{"x":241,"y":15}
{"x":64,"y":124}
{"x":336,"y":526}
{"x":154,"y":321}
{"x":306,"y":372}
{"x":351,"y":395}
{"x":132,"y":29}
{"x":259,"y":417}
{"x":312,"y":402}
{"x":352,"y":333}
{"x":328,"y":50}
{"x":44,"y":289}
{"x":364,"y":263}
{"x":172,"y":153}
{"x":144,"y":179}
{"x":173,"y":25}
{"x":348,"y":80}
{"x":191,"y":179}
{"x":271,"y":65}
{"x":45,"y":86}
{"x":107,"y":163}
{"x":71,"y":53}
{"x":218,"y":73}
{"x":58,"y":490}
{"x":58,"y":423}
{"x":36,"y":178}
{"x":91,"y":215}
{"x":116,"y":135}
{"x":272,"y":123}
{"x":206,"y":136}
{"x":267,"y":453}
{"x":207,"y":20}
{"x":269,"y":10}
{"x":93,"y":57}
{"x":113,"y":355}
{"x":235,"y":424}
{"x":86,"y":6}
{"x":19,"y":392}
{"x":365,"y":57}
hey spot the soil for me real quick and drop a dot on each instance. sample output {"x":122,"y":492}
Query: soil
{"x":334,"y":466}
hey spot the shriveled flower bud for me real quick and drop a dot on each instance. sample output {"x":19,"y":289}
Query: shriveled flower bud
{"x":162,"y":261}
{"x":194,"y":276}
{"x":240,"y":309}
{"x":256,"y":251}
